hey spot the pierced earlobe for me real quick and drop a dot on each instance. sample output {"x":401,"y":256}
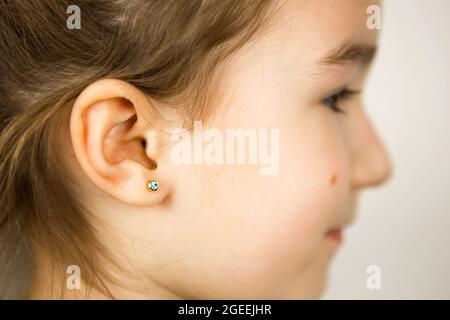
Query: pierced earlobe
{"x":152,"y":185}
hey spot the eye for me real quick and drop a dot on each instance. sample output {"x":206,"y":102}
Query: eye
{"x":333,"y":100}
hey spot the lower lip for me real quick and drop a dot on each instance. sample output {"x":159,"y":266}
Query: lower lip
{"x":335,"y":235}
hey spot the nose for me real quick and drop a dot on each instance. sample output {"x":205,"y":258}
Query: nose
{"x":370,"y":159}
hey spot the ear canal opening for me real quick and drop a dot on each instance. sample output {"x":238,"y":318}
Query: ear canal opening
{"x":153,"y":164}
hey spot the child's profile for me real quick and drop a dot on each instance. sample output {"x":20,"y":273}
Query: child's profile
{"x":183,"y":149}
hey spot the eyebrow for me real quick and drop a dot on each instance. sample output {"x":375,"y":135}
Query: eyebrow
{"x":351,"y":53}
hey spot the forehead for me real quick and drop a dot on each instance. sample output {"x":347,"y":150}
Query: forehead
{"x":317,"y":26}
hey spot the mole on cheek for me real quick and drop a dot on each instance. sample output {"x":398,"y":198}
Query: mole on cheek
{"x":333,"y":179}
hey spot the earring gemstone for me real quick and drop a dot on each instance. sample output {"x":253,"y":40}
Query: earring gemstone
{"x":152,"y":185}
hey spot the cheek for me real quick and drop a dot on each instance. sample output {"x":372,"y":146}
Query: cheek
{"x":264,"y":231}
{"x":306,"y":200}
{"x":272,"y":226}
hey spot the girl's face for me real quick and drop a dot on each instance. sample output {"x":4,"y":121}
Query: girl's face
{"x":229,"y":231}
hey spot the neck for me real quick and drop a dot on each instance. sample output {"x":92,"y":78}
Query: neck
{"x":47,"y":284}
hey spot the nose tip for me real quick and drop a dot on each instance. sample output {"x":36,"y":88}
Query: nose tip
{"x":383,"y":170}
{"x":374,"y":167}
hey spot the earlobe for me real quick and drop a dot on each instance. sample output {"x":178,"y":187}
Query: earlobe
{"x":115,"y":144}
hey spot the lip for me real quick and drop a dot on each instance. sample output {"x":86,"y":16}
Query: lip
{"x":335,"y":235}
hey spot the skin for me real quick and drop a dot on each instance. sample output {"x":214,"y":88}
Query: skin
{"x":226,"y":231}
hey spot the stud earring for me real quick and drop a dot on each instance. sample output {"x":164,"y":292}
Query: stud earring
{"x":152,"y":185}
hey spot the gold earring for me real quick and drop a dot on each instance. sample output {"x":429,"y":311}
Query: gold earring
{"x":152,"y":185}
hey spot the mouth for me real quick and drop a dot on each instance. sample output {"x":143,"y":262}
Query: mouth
{"x":335,"y":235}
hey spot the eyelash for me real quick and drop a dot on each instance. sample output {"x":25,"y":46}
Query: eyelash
{"x":333,"y":100}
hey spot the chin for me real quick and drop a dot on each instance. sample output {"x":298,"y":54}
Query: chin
{"x":308,"y":288}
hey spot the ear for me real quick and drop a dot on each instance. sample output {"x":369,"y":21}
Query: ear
{"x":116,"y":145}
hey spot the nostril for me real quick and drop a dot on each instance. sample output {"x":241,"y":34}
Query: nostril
{"x":144,"y":143}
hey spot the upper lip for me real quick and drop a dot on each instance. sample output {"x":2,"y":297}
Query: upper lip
{"x":346,"y":217}
{"x":344,"y":224}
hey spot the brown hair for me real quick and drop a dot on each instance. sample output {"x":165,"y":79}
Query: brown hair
{"x":166,"y":48}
